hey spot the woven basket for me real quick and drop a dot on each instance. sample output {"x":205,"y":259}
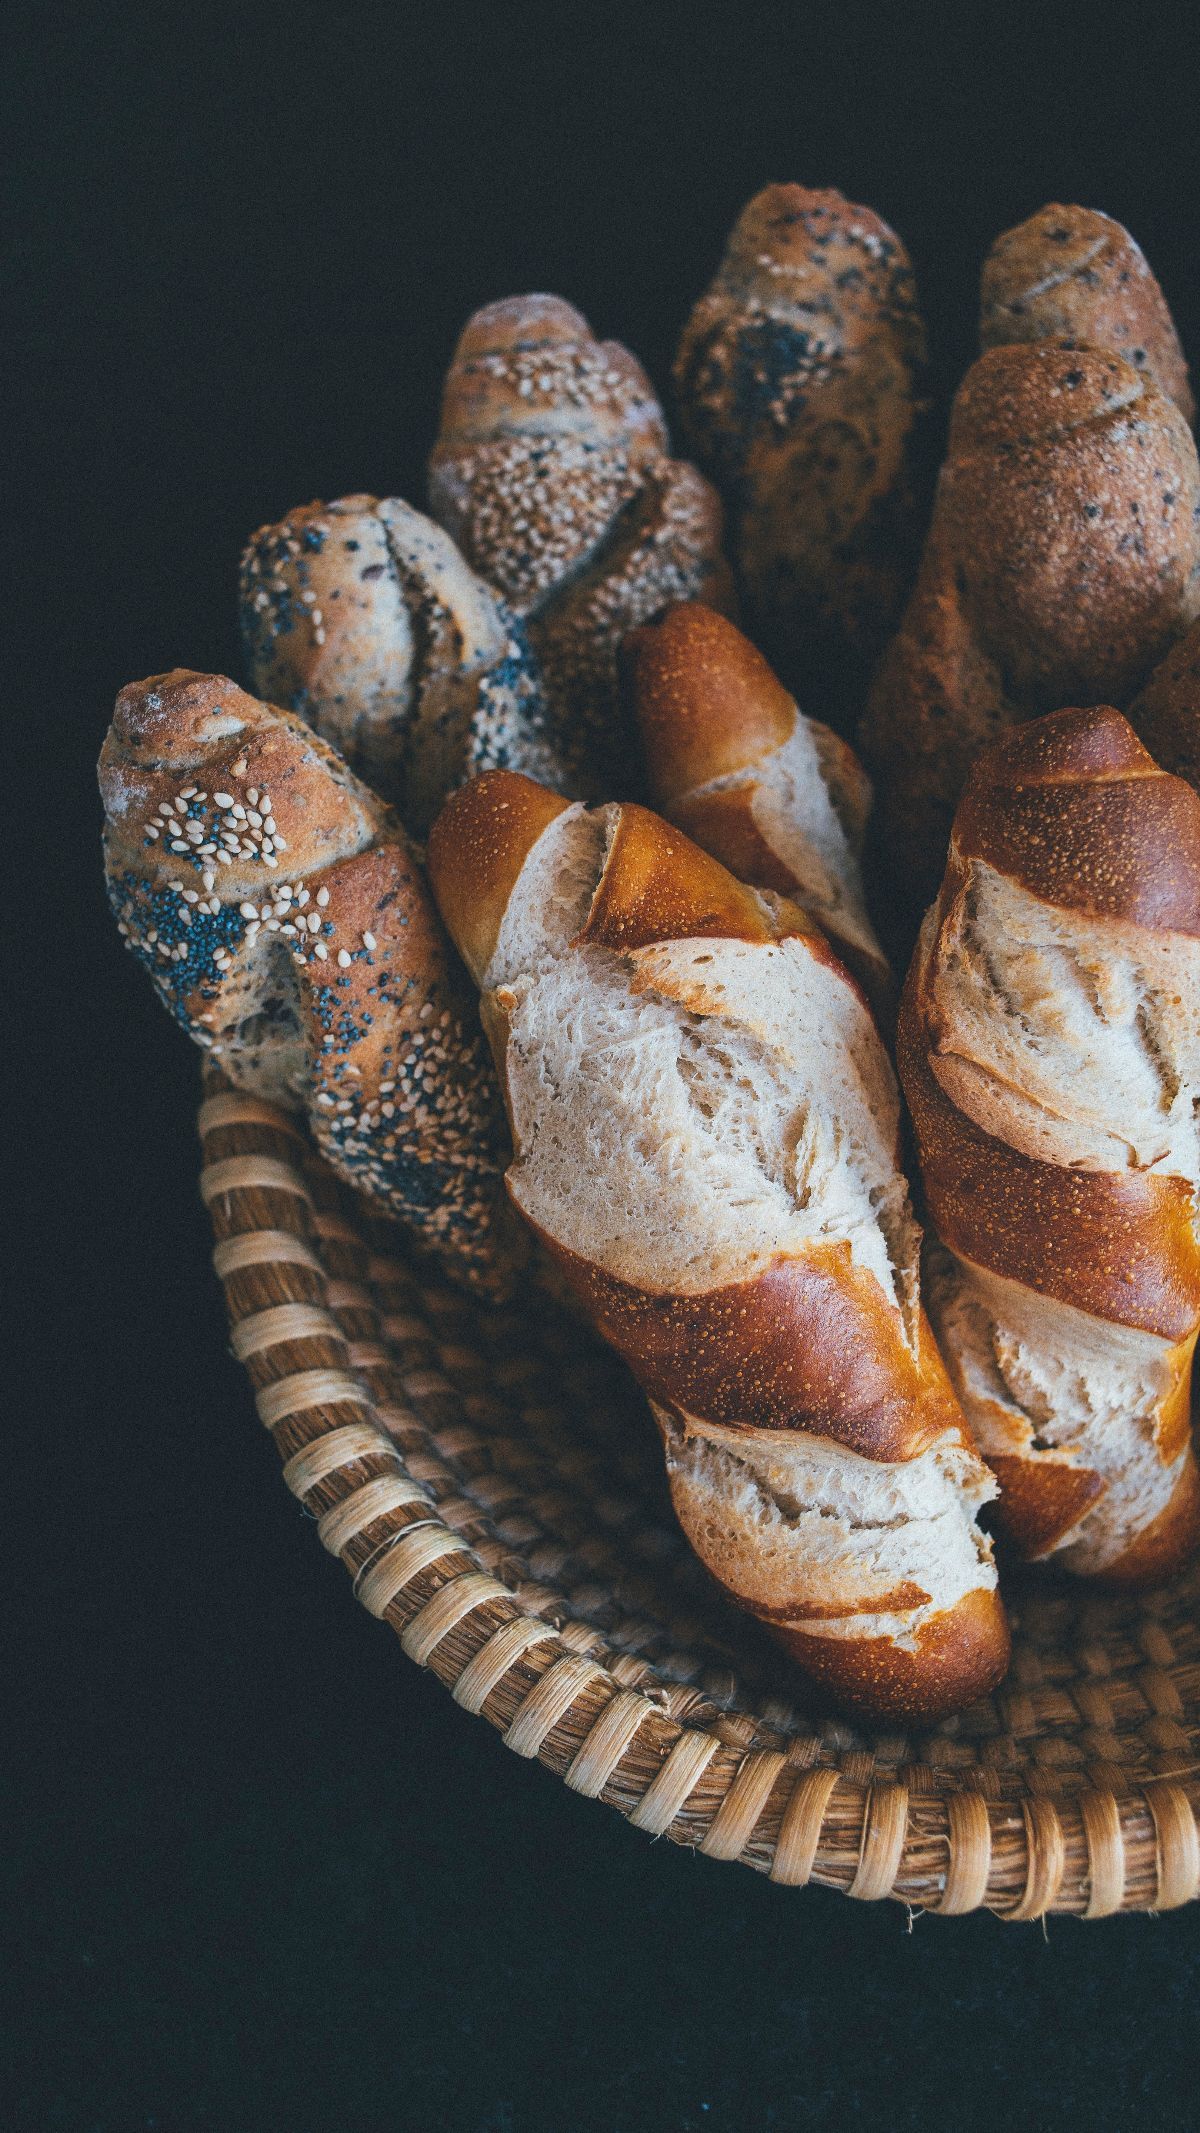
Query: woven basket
{"x":493,"y":1485}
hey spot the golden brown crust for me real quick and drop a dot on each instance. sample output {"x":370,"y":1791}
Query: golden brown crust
{"x":1062,"y":562}
{"x":1166,"y":715}
{"x":286,"y":926}
{"x":798,"y":377}
{"x":954,"y":1659}
{"x":1072,"y":274}
{"x":1042,"y":1498}
{"x":707,"y":702}
{"x":1075,"y":809}
{"x":477,"y":847}
{"x":659,"y":886}
{"x":809,"y":1344}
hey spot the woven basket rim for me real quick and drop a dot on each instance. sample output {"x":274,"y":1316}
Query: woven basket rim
{"x":941,"y":1844}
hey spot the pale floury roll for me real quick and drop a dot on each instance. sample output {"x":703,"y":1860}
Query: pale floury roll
{"x":1049,"y":1048}
{"x":552,"y":470}
{"x":706,"y":1131}
{"x":362,"y":616}
{"x":799,"y":383}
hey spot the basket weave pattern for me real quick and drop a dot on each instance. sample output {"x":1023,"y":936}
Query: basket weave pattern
{"x":493,"y":1485}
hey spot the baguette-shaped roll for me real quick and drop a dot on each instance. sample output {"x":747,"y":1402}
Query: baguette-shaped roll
{"x":778,"y":798}
{"x":705,"y":1129}
{"x":798,"y":379}
{"x":1063,"y":557}
{"x":284,"y":922}
{"x":552,"y":472}
{"x":362,"y":616}
{"x":1050,"y":1051}
{"x":1072,"y":274}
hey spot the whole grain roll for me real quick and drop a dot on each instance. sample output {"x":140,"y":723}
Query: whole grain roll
{"x":799,"y":382}
{"x":553,"y":473}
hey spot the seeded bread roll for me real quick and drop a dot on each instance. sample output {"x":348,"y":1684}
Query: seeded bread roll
{"x":362,"y":616}
{"x":1074,"y":275}
{"x":777,"y":797}
{"x":285,"y":924}
{"x":799,"y":380}
{"x":1049,"y":1048}
{"x":552,"y":472}
{"x":1063,"y":558}
{"x":705,"y":1129}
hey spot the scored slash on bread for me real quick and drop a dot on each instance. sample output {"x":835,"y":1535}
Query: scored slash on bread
{"x":284,"y":920}
{"x":552,"y":471}
{"x":777,"y":797}
{"x":1049,"y":1048}
{"x":705,"y":1130}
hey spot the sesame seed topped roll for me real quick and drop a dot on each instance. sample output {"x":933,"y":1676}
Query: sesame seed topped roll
{"x":285,"y":922}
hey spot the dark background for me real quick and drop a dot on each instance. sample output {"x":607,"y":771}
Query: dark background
{"x":266,"y":1873}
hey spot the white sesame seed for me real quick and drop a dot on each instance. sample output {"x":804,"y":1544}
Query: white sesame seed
{"x":255,"y":818}
{"x":272,"y":925}
{"x":318,"y":636}
{"x":313,"y":922}
{"x":268,"y":844}
{"x":225,"y":858}
{"x":302,"y":899}
{"x":343,"y":959}
{"x":191,"y":896}
{"x":209,"y":879}
{"x":269,"y":825}
{"x":325,"y":1099}
{"x":238,"y":811}
{"x":248,"y":910}
{"x":322,"y":897}
{"x":223,"y":799}
{"x":252,"y":795}
{"x":179,"y":844}
{"x":369,"y":940}
{"x":280,"y":842}
{"x":188,"y":793}
{"x":239,"y":768}
{"x":152,"y":831}
{"x":269,"y":859}
{"x":321,"y":952}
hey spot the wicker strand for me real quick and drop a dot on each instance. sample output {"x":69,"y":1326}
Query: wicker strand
{"x":486,"y":1478}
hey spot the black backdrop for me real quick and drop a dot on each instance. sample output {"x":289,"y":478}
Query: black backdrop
{"x":266,"y":1874}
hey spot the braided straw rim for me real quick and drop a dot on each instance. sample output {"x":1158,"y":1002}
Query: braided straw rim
{"x":1074,"y":1789}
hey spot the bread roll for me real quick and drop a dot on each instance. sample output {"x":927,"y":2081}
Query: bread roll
{"x":705,"y":1127}
{"x":362,"y":616}
{"x":552,"y":472}
{"x":777,"y":797}
{"x":287,"y":927}
{"x":1166,"y":714}
{"x":799,"y":379}
{"x":1063,"y":559}
{"x":1074,"y":275}
{"x":1049,"y":1048}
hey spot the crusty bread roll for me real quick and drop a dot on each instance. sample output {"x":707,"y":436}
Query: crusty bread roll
{"x":705,"y":1127}
{"x":1166,"y":713}
{"x":1063,"y":558}
{"x":1050,"y":1052}
{"x":798,"y":379}
{"x":778,"y":798}
{"x":552,"y":472}
{"x":285,"y":923}
{"x":363,"y":616}
{"x":1074,"y":275}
